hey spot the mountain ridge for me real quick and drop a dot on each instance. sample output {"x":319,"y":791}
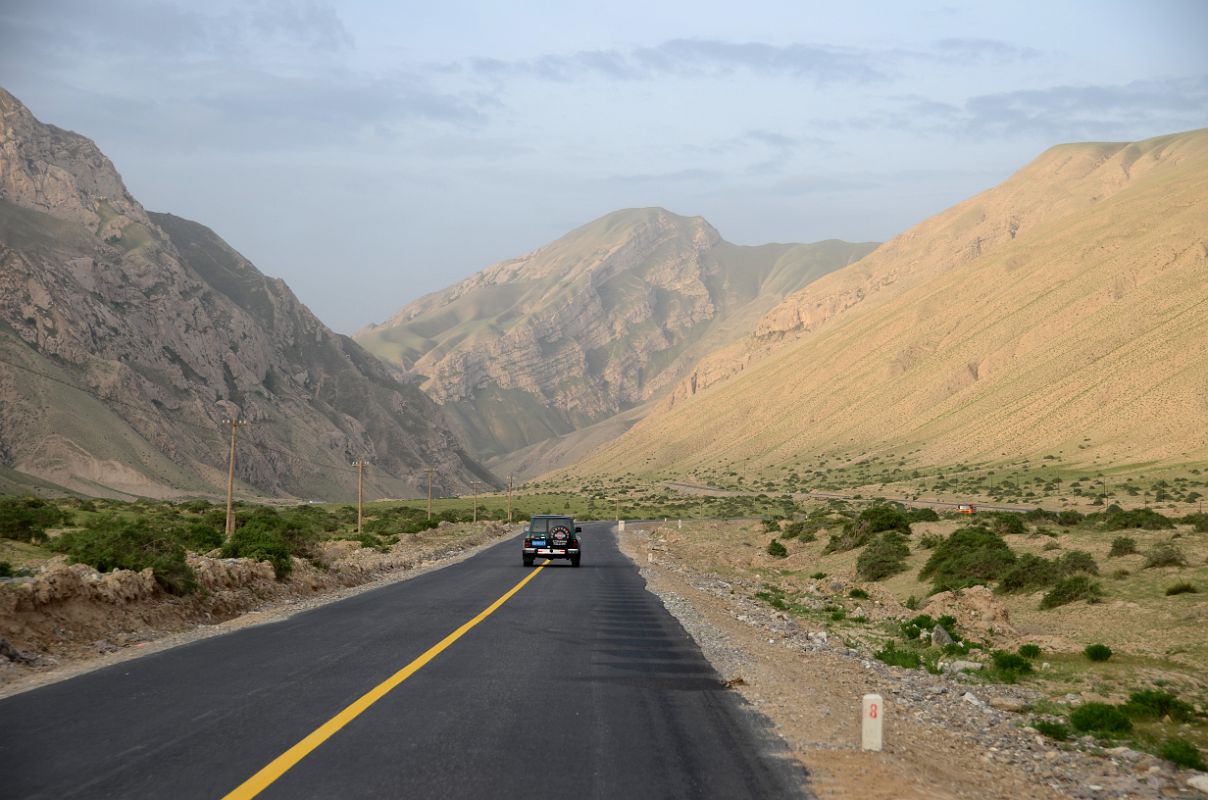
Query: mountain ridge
{"x":1071,"y":299}
{"x":98,"y":294}
{"x":591,"y":325}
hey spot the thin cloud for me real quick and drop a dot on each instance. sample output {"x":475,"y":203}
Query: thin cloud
{"x":691,"y":175}
{"x":1080,"y":111}
{"x":692,"y":58}
{"x":981,"y":51}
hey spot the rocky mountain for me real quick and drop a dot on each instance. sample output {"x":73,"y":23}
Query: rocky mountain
{"x":127,"y":337}
{"x":1063,"y":313}
{"x":590,"y":327}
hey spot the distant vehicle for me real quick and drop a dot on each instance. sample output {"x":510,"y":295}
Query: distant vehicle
{"x":966,"y":508}
{"x":552,"y":536}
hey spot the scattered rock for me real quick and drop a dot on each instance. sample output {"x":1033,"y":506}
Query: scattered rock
{"x":1008,"y":704}
{"x":960,"y":666}
{"x":940,"y":637}
{"x":976,"y":609}
{"x":730,"y":684}
{"x":1199,"y":782}
{"x":971,"y":698}
{"x":10,"y":653}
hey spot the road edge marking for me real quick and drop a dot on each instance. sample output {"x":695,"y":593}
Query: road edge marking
{"x":287,"y":760}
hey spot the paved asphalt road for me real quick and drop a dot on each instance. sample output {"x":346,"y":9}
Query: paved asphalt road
{"x":580,"y":685}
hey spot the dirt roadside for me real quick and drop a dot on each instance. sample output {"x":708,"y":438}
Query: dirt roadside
{"x":945,"y":736}
{"x":70,"y":620}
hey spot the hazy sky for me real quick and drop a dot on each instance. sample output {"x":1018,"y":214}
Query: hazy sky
{"x":371,"y":152}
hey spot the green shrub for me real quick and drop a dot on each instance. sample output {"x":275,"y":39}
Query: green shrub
{"x":1029,"y":650}
{"x":1157,"y":704}
{"x":110,"y":542}
{"x":1004,"y":522}
{"x":1097,"y":652}
{"x":25,"y":519}
{"x":1143,"y":518}
{"x":912,"y":629}
{"x":922,"y":515}
{"x":260,"y":543}
{"x":1122,"y":546}
{"x":1199,"y":521}
{"x":1069,"y":518}
{"x":884,"y":557}
{"x":898,"y":658}
{"x":1076,"y":562}
{"x":1054,"y":730}
{"x":817,"y":575}
{"x":930,"y":541}
{"x":197,"y":536}
{"x":1069,"y":590}
{"x":861,"y":530}
{"x":858,"y":594}
{"x":1028,"y":573}
{"x":912,"y":603}
{"x":6,"y":569}
{"x":1182,"y":752}
{"x":1007,"y":667}
{"x":794,"y":529}
{"x":776,"y":549}
{"x":1040,"y":515}
{"x":1165,"y":554}
{"x":1100,"y":718}
{"x":771,"y":525}
{"x":968,"y":557}
{"x":265,"y":535}
{"x":1181,"y":588}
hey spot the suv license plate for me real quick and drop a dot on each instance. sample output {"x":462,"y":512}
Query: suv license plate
{"x":559,"y":552}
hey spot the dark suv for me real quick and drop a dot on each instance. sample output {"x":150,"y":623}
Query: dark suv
{"x":552,"y":536}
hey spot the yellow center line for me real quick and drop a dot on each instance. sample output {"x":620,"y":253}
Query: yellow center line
{"x":284,"y":762}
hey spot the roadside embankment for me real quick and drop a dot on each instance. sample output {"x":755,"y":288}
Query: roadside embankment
{"x":70,"y":618}
{"x":947,"y":735}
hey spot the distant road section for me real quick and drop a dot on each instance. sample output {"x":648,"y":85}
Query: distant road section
{"x":578,"y":684}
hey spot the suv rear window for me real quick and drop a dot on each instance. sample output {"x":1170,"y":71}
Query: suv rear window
{"x":543,"y":525}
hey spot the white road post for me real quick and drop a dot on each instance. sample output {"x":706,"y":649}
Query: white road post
{"x":872,"y":713}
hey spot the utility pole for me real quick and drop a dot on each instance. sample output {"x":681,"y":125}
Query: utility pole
{"x":618,"y":502}
{"x":360,"y":465}
{"x":230,"y":515}
{"x":509,"y":498}
{"x":429,"y":493}
{"x":475,"y":485}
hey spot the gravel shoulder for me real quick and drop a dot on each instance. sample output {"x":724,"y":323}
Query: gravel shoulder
{"x":945,"y":736}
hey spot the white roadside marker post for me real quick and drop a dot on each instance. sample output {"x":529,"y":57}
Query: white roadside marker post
{"x":872,"y":712}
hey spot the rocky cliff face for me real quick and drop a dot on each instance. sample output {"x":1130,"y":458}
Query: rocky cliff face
{"x":127,"y":337}
{"x":598,"y":322}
